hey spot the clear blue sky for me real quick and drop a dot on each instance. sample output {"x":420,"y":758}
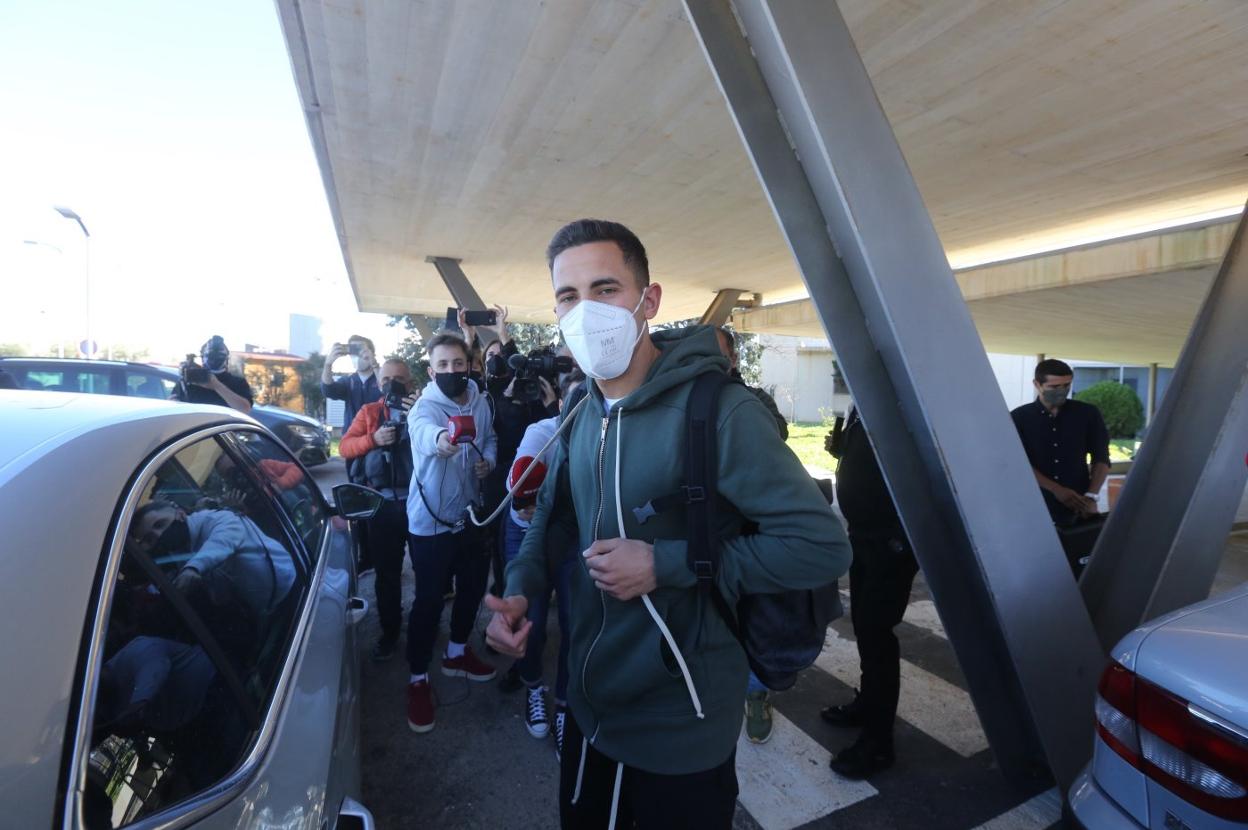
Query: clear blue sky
{"x":174,"y":129}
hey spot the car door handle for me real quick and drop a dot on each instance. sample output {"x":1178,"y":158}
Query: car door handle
{"x":357,"y":609}
{"x":357,"y":815}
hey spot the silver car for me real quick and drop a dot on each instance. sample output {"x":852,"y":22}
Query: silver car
{"x":178,"y":602}
{"x":1171,"y":746}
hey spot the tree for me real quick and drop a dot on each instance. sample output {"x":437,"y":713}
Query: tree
{"x":310,"y":385}
{"x":1119,"y":405}
{"x":411,"y":349}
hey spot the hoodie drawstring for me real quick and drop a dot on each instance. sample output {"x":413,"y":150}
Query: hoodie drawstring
{"x":580,"y":770}
{"x":658,"y":620}
{"x":615,"y":795}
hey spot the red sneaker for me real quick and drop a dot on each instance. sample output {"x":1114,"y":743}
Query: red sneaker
{"x":469,"y":666}
{"x":419,"y":706}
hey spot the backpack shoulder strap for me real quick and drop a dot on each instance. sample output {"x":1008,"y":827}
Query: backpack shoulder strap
{"x":702,"y":474}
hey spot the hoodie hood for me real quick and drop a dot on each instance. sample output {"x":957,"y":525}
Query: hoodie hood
{"x":685,"y":353}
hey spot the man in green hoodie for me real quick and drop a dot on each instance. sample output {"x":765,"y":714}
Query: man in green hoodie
{"x":658,"y":680}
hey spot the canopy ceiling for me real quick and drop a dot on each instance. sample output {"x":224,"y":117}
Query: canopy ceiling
{"x":473,"y":129}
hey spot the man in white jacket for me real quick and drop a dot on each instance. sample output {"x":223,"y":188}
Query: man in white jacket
{"x":453,"y":448}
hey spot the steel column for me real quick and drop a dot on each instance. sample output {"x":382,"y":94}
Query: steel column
{"x":720,"y":309}
{"x":1151,"y":405}
{"x":877,"y":275}
{"x":1162,"y":544}
{"x":423,"y":328}
{"x":456,"y":281}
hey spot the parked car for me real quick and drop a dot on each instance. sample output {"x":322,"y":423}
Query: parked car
{"x":1171,"y":745}
{"x":179,"y":602}
{"x":305,"y":437}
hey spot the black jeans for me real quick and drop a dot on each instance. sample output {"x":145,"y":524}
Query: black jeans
{"x":880,"y":578}
{"x":433,"y":557}
{"x":647,"y":801}
{"x":387,"y":541}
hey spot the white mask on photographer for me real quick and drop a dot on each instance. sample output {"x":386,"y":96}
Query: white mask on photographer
{"x":602,"y":337}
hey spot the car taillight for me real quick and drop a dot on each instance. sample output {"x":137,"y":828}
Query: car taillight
{"x":1188,"y":751}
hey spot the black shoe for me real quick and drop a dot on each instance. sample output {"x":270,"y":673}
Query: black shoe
{"x":847,"y":714}
{"x":511,"y":681}
{"x":384,"y":650}
{"x":862,"y":759}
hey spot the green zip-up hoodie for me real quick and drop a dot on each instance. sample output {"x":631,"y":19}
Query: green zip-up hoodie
{"x":627,"y":691}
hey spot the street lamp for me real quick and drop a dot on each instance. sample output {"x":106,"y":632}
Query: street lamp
{"x":86,"y":273}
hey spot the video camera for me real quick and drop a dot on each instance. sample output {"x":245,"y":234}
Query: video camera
{"x":539,"y":363}
{"x":192,"y":372}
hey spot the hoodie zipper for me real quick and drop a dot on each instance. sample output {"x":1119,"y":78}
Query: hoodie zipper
{"x":602,"y":448}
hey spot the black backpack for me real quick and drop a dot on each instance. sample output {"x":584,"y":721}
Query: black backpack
{"x":782,"y":633}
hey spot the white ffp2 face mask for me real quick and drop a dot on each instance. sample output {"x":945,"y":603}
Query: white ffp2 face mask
{"x":601,"y":337}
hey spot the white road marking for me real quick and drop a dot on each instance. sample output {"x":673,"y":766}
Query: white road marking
{"x":922,"y":612}
{"x":786,"y":782}
{"x":1034,"y":814}
{"x":927,"y":702}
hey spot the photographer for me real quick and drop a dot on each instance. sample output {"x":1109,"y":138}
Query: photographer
{"x":378,"y":449}
{"x":358,"y":388}
{"x":213,"y":383}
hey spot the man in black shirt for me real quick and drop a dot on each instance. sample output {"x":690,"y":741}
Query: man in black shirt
{"x":1059,"y":435}
{"x":880,"y":578}
{"x":220,"y":387}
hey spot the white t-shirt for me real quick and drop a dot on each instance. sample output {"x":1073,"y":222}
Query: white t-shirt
{"x":607,"y":403}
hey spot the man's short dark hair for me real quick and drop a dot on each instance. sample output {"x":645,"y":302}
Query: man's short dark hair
{"x":446,"y":338}
{"x":585,"y":231}
{"x":151,"y":507}
{"x":359,"y":338}
{"x":569,"y":380}
{"x":1057,"y":368}
{"x":729,"y":336}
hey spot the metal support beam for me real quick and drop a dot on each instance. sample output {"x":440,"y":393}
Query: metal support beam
{"x":456,"y":281}
{"x":1150,"y":406}
{"x":720,"y":309}
{"x":423,"y":328}
{"x":1161,"y":546}
{"x":877,"y":274}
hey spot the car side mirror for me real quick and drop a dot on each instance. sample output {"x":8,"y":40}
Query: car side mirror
{"x":355,"y":501}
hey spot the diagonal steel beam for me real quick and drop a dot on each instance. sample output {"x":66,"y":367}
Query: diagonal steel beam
{"x":720,"y":309}
{"x":1161,"y":546}
{"x":456,"y":281}
{"x":877,"y":275}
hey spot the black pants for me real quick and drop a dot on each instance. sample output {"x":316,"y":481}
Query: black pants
{"x":880,"y":578}
{"x":433,"y":557}
{"x":647,"y":801}
{"x":387,"y":541}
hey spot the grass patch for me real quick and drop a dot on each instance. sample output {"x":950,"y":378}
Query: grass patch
{"x":806,"y":441}
{"x":333,"y":446}
{"x":1123,"y":449}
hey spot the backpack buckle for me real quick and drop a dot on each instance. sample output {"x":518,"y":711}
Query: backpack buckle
{"x":694,"y":494}
{"x":704,"y":570}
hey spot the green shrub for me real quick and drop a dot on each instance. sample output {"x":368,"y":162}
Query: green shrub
{"x":1120,"y":407}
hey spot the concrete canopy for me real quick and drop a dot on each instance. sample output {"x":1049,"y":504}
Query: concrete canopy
{"x":473,"y":129}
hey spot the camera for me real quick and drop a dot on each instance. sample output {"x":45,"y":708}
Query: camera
{"x":539,"y":363}
{"x":192,"y":372}
{"x":393,"y":394}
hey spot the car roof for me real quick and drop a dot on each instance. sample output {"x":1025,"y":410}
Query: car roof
{"x":34,"y":420}
{"x":73,"y":361}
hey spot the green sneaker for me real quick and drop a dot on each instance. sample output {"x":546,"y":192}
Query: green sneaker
{"x":757,"y":717}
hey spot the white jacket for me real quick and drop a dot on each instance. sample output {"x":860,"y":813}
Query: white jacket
{"x":449,"y":484}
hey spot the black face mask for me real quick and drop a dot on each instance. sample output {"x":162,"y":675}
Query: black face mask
{"x":452,"y":384}
{"x":216,"y":361}
{"x":175,"y":539}
{"x":497,"y":366}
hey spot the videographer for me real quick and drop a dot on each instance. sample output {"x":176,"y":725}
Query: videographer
{"x":379,"y":450}
{"x":213,"y":383}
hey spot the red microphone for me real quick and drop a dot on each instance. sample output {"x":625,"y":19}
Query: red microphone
{"x":526,"y":493}
{"x":461,"y":429}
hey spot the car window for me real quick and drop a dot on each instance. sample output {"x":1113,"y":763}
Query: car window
{"x":68,"y":380}
{"x":290,"y":485}
{"x":202,"y":614}
{"x":148,"y":385}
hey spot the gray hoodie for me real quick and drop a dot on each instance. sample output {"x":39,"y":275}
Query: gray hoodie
{"x":449,"y":484}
